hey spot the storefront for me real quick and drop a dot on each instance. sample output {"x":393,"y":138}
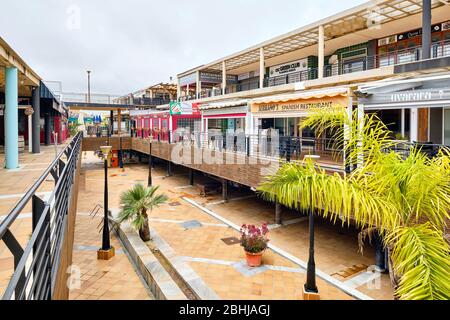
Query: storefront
{"x":159,"y":124}
{"x":419,"y":108}
{"x":225,"y":117}
{"x":280,"y":117}
{"x":284,"y":114}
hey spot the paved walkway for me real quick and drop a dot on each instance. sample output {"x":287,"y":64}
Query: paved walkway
{"x":13,"y":184}
{"x":115,"y":279}
{"x":199,"y":239}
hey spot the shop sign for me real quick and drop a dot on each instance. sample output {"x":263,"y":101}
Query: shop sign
{"x":287,"y":68}
{"x":416,"y":96}
{"x":445,"y":26}
{"x":417,"y":32}
{"x":300,"y":105}
{"x":183,"y":108}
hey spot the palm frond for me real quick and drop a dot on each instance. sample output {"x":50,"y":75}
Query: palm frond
{"x":136,"y":201}
{"x":421,"y":256}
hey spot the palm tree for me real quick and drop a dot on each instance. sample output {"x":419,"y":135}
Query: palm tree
{"x":135,"y":203}
{"x":406,"y":198}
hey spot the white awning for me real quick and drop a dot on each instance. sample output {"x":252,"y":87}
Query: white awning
{"x":310,"y":94}
{"x":224,"y":104}
{"x":145,"y":112}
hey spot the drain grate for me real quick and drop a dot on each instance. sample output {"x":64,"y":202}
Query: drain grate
{"x":231,"y":241}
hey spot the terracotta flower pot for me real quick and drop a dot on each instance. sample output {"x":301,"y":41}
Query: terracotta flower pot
{"x":254,"y":259}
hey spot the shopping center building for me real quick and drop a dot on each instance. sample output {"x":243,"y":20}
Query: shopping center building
{"x":271,"y":85}
{"x":30,"y":114}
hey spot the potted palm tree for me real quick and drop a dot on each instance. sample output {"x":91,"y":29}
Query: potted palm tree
{"x":254,"y":240}
{"x":405,"y":197}
{"x":135,"y":205}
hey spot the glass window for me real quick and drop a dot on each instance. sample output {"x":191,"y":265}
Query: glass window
{"x":447,"y":127}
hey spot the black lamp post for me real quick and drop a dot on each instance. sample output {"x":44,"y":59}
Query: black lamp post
{"x":310,"y":286}
{"x":150,"y":163}
{"x":107,"y":251}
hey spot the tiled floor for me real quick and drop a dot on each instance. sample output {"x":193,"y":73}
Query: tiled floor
{"x":13,"y":184}
{"x":336,"y":247}
{"x":115,"y":279}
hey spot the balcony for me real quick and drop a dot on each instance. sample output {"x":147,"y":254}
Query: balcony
{"x":342,"y":67}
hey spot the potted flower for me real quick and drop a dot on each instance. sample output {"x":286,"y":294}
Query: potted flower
{"x":254,"y":240}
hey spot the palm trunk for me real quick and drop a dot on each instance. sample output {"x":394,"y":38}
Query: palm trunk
{"x":395,"y":278}
{"x":144,"y":232}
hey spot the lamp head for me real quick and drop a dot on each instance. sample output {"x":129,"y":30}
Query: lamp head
{"x":105,"y":150}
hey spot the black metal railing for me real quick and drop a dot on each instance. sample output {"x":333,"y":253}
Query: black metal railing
{"x":36,"y":265}
{"x":347,"y":66}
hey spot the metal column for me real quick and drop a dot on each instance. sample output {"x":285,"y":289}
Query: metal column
{"x":36,"y":120}
{"x":11,"y":119}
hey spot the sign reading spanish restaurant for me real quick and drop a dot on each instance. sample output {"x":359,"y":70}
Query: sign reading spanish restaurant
{"x":300,"y":104}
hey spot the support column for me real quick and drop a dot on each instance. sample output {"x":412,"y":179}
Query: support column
{"x":224,"y":77}
{"x":321,"y":52}
{"x":178,"y":90}
{"x":111,"y":122}
{"x":403,"y":123}
{"x":11,"y":119}
{"x":423,"y":130}
{"x":47,"y":129}
{"x":169,"y":168}
{"x":36,"y":120}
{"x":119,"y":121}
{"x":380,"y":254}
{"x":225,"y":190}
{"x":262,"y":67}
{"x":198,"y":86}
{"x":426,"y":29}
{"x":278,"y":212}
{"x":30,"y":133}
{"x":361,"y":124}
{"x":191,"y":177}
{"x":414,"y":120}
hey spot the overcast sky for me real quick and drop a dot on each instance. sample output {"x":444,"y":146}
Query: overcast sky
{"x":131,"y":44}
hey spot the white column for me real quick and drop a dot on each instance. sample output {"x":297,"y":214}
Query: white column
{"x":321,"y":52}
{"x":198,"y":85}
{"x":414,"y":124}
{"x":360,"y":133}
{"x":224,"y":77}
{"x":187,"y":91}
{"x":262,"y":68}
{"x":178,"y":89}
{"x":402,"y":121}
{"x":30,"y":134}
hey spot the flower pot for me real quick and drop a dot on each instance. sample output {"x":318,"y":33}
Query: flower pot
{"x":254,"y":259}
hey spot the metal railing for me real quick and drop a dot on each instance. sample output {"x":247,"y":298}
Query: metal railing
{"x":36,"y":265}
{"x":264,"y":146}
{"x":350,"y":65}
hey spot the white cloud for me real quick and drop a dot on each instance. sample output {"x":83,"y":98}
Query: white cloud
{"x":132,"y":44}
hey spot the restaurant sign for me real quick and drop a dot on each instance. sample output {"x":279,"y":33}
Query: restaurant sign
{"x":413,"y":96}
{"x":300,"y":105}
{"x":287,"y":68}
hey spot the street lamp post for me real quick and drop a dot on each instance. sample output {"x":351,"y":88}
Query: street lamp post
{"x":150,"y":163}
{"x":310,"y":291}
{"x":89,"y":86}
{"x":106,"y":252}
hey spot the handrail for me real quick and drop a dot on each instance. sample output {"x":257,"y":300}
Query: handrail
{"x":36,"y":279}
{"x":14,"y":213}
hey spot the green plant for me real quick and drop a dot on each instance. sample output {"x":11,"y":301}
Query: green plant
{"x":135,"y":204}
{"x":254,"y":239}
{"x":406,"y":198}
